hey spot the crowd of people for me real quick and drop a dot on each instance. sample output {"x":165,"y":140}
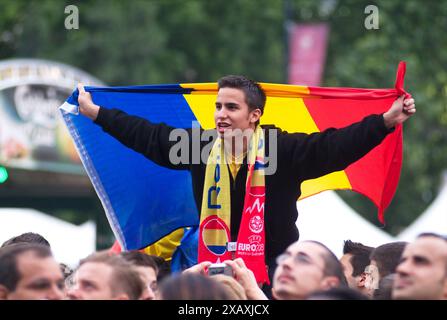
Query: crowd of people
{"x":305,"y":270}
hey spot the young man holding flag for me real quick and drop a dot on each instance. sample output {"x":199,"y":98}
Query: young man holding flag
{"x":245,"y":210}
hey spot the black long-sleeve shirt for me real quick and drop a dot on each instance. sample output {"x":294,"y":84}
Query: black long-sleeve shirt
{"x":299,"y":157}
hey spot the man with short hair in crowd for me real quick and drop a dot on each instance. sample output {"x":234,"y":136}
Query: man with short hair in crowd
{"x":422,"y":271}
{"x":148,"y":270}
{"x":29,"y":272}
{"x":383,"y":262}
{"x":27,"y":237}
{"x":354,"y":261}
{"x":305,"y":267}
{"x":102,"y":276}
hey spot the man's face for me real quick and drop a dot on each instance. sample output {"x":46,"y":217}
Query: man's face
{"x":149,"y":278}
{"x":363,"y":282}
{"x":232,"y":112}
{"x":40,"y":278}
{"x":300,"y":272}
{"x":421,"y":273}
{"x":92,"y":282}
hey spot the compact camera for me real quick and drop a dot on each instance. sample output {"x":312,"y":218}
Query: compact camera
{"x":220,"y":268}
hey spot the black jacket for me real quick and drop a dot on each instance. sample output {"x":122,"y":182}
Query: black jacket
{"x":299,"y":157}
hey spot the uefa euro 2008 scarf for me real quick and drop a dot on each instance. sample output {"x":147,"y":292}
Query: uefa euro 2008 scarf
{"x":214,"y":233}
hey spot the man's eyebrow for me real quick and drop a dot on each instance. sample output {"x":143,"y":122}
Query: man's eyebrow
{"x":88,"y":282}
{"x":301,"y":253}
{"x":420,"y":259}
{"x":305,"y":255}
{"x":39,"y":282}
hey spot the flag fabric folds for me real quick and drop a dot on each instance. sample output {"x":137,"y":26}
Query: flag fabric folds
{"x":145,"y":202}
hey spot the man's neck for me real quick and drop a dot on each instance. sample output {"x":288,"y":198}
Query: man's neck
{"x":237,"y":147}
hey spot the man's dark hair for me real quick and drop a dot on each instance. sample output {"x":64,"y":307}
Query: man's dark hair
{"x":339,"y":293}
{"x":387,"y":257}
{"x":9,"y":273}
{"x":164,"y":268}
{"x":140,"y":259}
{"x":254,"y":95}
{"x":124,"y":278}
{"x":359,"y":256}
{"x":332,"y":266}
{"x":28,"y":237}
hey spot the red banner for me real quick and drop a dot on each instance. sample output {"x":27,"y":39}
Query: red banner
{"x":307,"y":53}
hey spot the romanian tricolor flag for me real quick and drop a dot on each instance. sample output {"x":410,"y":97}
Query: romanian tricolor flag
{"x":145,"y":202}
{"x":215,"y":235}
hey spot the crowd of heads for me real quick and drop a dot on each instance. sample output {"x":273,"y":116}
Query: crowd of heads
{"x":306,"y":270}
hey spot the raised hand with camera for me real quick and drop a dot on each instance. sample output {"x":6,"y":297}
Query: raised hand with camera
{"x":246,"y":279}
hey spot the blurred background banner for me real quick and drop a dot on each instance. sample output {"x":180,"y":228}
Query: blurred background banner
{"x":32,"y":135}
{"x":39,"y":166}
{"x":36,"y":149}
{"x":307,"y":53}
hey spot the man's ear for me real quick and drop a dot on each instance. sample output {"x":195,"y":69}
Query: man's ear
{"x":361,"y":280}
{"x":255,"y":115}
{"x":329,"y":282}
{"x":3,"y":292}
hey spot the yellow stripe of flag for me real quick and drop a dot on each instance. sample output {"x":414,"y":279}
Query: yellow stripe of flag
{"x":215,"y":237}
{"x":282,"y":109}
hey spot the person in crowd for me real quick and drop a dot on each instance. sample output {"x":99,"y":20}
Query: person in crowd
{"x":383,"y":261}
{"x":28,"y":271}
{"x":422,"y":270}
{"x":147,"y":268}
{"x":354,"y":261}
{"x":28,"y":237}
{"x":103,"y":276}
{"x":305,"y":267}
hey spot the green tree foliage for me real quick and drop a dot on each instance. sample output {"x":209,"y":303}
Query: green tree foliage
{"x":200,"y":40}
{"x":410,"y":31}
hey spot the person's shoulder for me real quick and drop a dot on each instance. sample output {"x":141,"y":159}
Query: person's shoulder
{"x":271,"y":127}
